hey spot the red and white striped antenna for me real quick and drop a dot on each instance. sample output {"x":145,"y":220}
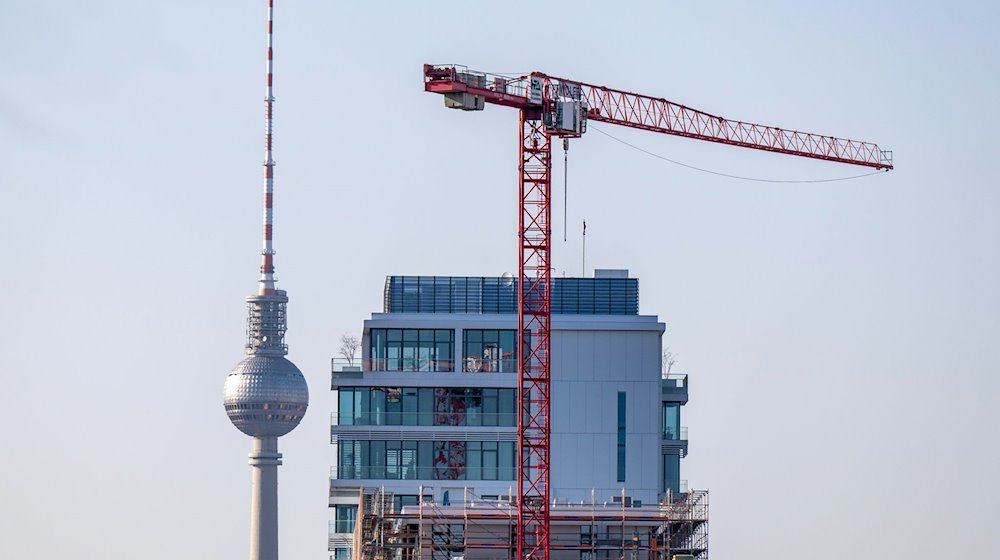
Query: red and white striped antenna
{"x":267,"y":254}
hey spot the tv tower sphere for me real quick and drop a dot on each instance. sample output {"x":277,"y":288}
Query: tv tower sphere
{"x":266,"y":396}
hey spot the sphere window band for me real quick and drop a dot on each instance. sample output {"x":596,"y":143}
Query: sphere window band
{"x":266,"y":383}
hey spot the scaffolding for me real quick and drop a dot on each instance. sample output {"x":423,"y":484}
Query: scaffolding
{"x":486,"y":529}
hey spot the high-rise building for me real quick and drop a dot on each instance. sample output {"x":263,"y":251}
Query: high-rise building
{"x":425,"y":428}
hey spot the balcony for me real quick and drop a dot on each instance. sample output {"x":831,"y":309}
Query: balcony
{"x":674,"y":387}
{"x":338,"y":538}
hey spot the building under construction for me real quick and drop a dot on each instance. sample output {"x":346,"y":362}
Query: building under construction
{"x":426,"y":428}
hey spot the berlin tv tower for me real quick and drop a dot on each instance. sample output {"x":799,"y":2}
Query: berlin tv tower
{"x":266,"y":395}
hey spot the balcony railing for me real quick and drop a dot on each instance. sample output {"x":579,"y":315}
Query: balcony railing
{"x":410,"y":471}
{"x":341,"y":526}
{"x":679,"y":380}
{"x":676,"y":433}
{"x":470,"y":364}
{"x":339,"y":365}
{"x":475,"y":364}
{"x":466,"y":418}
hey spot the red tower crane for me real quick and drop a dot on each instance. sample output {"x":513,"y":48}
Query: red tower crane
{"x":555,"y":107}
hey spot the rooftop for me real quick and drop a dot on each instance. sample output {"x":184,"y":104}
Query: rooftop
{"x":610,"y":292}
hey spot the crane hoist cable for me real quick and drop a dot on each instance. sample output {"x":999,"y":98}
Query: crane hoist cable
{"x":740,"y":177}
{"x":565,"y":186}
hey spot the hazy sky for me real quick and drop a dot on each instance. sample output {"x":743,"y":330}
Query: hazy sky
{"x":841,"y":338}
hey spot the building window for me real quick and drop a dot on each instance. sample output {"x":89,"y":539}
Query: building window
{"x":621,"y":436}
{"x":490,"y":460}
{"x":412,"y":349}
{"x":489,"y":350}
{"x":587,"y":536}
{"x":341,"y":554}
{"x":671,"y":472}
{"x":426,"y":406}
{"x":447,"y":536}
{"x":344,"y":517}
{"x":425,"y":460}
{"x":408,"y":500}
{"x":671,"y":421}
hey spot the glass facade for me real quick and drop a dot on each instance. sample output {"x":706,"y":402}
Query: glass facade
{"x":449,"y":294}
{"x":671,"y":421}
{"x":426,"y":406}
{"x":412,"y":349}
{"x":341,"y":554}
{"x":425,"y":460}
{"x":621,"y":436}
{"x":344,"y":518}
{"x":489,"y":350}
{"x":460,"y":294}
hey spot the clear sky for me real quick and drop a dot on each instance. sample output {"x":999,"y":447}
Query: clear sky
{"x":841,"y":338}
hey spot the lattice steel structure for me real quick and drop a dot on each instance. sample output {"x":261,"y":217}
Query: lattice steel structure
{"x":556,"y":107}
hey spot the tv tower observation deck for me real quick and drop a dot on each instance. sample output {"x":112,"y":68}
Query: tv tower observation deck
{"x":266,"y":396}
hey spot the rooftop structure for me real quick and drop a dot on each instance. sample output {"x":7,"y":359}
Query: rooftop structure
{"x":266,"y":395}
{"x":426,"y":427}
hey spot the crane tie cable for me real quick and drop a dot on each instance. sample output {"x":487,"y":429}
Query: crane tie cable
{"x":719,"y":173}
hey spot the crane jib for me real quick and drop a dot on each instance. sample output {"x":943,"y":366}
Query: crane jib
{"x":555,"y":107}
{"x":567,"y":105}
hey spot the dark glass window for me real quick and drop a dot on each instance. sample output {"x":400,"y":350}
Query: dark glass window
{"x":426,"y":406}
{"x":409,"y":406}
{"x":401,"y":500}
{"x":507,"y":450}
{"x":345,"y":407}
{"x":671,"y":421}
{"x":485,"y":459}
{"x":344,"y":518}
{"x":425,"y":460}
{"x":393,"y":406}
{"x":489,"y":350}
{"x":377,"y":450}
{"x":672,"y":472}
{"x":412,"y":349}
{"x":445,"y":294}
{"x":621,"y":436}
{"x":352,"y":459}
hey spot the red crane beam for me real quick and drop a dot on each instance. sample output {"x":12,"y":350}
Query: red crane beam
{"x":534,"y":322}
{"x":659,"y":115}
{"x":654,"y":114}
{"x":548,"y":107}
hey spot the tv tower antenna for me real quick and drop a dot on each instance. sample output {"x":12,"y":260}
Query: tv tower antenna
{"x":266,"y":396}
{"x":267,"y":254}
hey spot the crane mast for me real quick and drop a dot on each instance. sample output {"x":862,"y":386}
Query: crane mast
{"x":556,"y":107}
